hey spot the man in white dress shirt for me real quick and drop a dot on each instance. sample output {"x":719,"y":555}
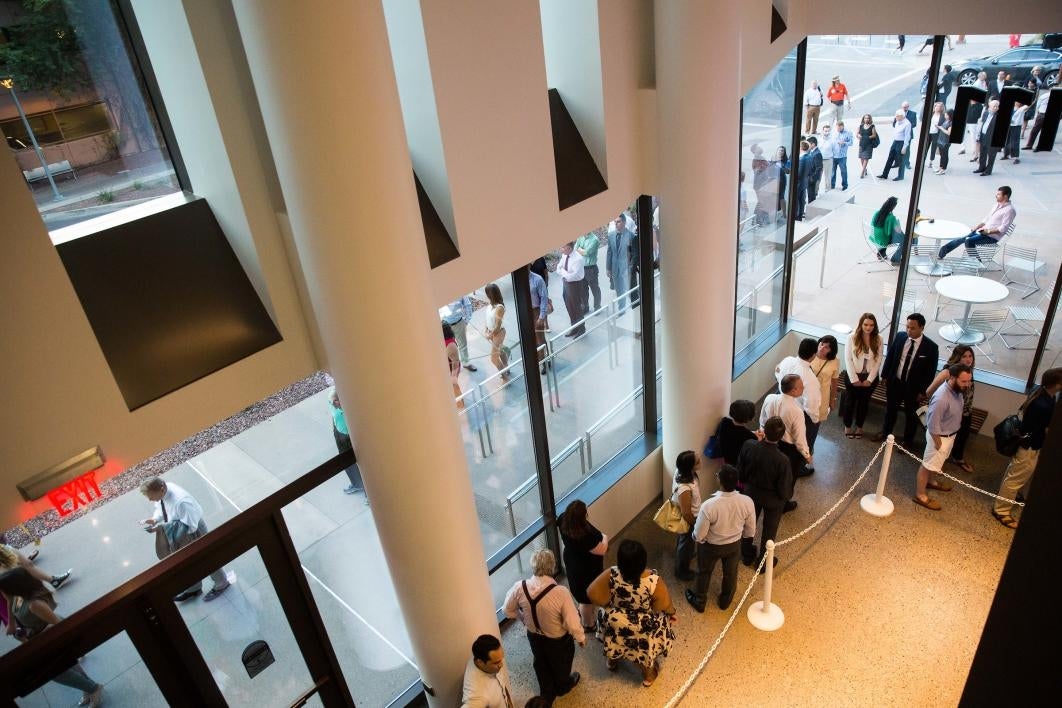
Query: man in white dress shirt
{"x":571,"y":270}
{"x":811,"y":400}
{"x":486,"y":682}
{"x":177,"y":521}
{"x":553,"y":626}
{"x":794,"y":443}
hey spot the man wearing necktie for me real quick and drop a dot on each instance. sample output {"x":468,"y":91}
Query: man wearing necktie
{"x":177,"y":521}
{"x":909,"y":368}
{"x":486,"y":683}
{"x":570,"y":268}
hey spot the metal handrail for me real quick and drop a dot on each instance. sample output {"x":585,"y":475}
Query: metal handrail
{"x":606,"y":418}
{"x":529,"y":483}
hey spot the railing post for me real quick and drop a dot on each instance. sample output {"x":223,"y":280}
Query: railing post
{"x":765,"y":615}
{"x":484,"y":415}
{"x":582,"y":457}
{"x":825,"y":248}
{"x":589,"y":453}
{"x":877,"y":504}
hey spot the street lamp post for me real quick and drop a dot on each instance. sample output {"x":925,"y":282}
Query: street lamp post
{"x":9,"y":84}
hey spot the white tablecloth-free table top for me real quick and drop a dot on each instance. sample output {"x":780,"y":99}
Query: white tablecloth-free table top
{"x":969,"y":289}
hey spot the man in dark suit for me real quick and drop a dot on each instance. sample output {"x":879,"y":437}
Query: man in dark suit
{"x":987,"y":157}
{"x":803,"y":175}
{"x":816,"y":168}
{"x":909,"y":368}
{"x":768,"y":478}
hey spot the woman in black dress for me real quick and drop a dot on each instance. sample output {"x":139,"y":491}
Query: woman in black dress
{"x":584,"y":550}
{"x":868,"y":135}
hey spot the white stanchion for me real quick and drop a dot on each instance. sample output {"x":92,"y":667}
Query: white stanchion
{"x":877,"y":504}
{"x":765,"y":615}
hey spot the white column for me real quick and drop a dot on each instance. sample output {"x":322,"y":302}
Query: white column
{"x":698,"y":149}
{"x":326,"y":87}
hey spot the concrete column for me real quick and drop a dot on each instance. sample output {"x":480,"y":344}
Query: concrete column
{"x":327,"y":90}
{"x":698,"y":153}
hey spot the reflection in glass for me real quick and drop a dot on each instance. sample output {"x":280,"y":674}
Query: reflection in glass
{"x":70,"y":69}
{"x":766,"y":168}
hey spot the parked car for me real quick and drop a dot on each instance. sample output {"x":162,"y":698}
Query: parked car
{"x":1018,"y":63}
{"x":1051,"y":40}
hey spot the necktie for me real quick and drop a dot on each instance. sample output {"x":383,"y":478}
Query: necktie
{"x":565,"y":266}
{"x":505,"y":692}
{"x":165,"y":516}
{"x":907,"y":362}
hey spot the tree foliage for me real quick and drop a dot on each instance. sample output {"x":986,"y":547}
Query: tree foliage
{"x":42,"y":52}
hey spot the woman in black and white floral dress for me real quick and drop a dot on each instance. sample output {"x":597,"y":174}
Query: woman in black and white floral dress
{"x":636,"y":616}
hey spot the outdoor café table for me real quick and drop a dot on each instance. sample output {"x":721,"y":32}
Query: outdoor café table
{"x":939,"y":230}
{"x":969,"y":289}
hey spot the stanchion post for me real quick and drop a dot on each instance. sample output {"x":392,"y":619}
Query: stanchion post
{"x":877,"y":504}
{"x":766,"y":615}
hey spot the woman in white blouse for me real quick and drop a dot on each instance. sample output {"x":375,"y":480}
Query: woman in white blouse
{"x":862,"y":360}
{"x":495,"y":331}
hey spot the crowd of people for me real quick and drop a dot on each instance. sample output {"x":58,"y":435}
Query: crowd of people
{"x":629,"y":607}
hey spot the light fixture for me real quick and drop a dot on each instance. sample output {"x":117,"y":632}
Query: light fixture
{"x":61,"y":474}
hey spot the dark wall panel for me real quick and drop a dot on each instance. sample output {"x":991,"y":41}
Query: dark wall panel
{"x":167,"y":299}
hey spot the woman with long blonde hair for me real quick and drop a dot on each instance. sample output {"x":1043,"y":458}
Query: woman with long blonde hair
{"x":862,"y":361}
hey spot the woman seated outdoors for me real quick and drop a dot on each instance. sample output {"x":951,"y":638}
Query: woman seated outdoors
{"x":885,"y":230}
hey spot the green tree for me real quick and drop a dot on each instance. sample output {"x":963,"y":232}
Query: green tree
{"x":42,"y":52}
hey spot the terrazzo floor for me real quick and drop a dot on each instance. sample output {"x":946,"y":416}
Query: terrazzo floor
{"x":878,"y":611}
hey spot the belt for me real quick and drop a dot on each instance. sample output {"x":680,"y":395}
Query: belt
{"x":949,"y":435}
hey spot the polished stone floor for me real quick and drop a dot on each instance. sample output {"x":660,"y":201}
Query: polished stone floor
{"x":878,"y":611}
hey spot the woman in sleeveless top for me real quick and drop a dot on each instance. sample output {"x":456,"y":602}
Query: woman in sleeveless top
{"x":636,"y":616}
{"x":495,"y":331}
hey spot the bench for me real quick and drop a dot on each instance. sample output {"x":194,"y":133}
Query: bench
{"x":977,"y":415}
{"x":56,"y":168}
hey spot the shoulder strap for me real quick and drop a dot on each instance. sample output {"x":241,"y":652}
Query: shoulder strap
{"x":533,"y":601}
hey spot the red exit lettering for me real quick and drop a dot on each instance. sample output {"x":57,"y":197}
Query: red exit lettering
{"x":78,"y":492}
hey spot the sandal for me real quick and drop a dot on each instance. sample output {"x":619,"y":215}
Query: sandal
{"x":850,"y":434}
{"x":1006,"y":519}
{"x":962,"y":465}
{"x":651,"y":675}
{"x":931,"y":504}
{"x":939,"y":486}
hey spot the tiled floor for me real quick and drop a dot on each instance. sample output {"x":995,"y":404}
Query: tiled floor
{"x":877,"y":611}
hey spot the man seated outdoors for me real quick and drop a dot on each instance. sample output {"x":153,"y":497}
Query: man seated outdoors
{"x":991,"y":230}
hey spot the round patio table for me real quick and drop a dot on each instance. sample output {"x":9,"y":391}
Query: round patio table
{"x":969,"y":289}
{"x":939,"y":230}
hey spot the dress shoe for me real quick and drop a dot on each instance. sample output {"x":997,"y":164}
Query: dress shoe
{"x":1005,"y":157}
{"x":880,"y":437}
{"x":897,"y":179}
{"x":789,"y":506}
{"x":187,"y":595}
{"x":985,"y":174}
{"x":724,"y":602}
{"x":33,"y":556}
{"x":471,"y":367}
{"x":215,"y":592}
{"x":973,"y":159}
{"x":574,"y":680}
{"x":882,"y":176}
{"x":696,"y":602}
{"x":1017,"y":161}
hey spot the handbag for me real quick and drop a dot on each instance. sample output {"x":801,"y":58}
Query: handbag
{"x":1008,"y":435}
{"x":875,"y":141}
{"x":669,"y":518}
{"x":714,"y":450}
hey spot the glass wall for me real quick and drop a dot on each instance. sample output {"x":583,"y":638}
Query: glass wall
{"x":76,"y":113}
{"x":992,"y":291}
{"x":845,"y":263}
{"x":766,"y":169}
{"x":592,"y":369}
{"x":490,"y":397}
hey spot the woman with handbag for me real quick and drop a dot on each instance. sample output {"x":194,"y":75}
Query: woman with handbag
{"x":1035,"y":417}
{"x":962,"y":354}
{"x":33,"y":609}
{"x":637,"y":612}
{"x":862,"y":360}
{"x":495,"y":331}
{"x":686,"y":495}
{"x":868,"y":140}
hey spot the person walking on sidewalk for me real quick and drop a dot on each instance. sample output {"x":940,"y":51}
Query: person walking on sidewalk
{"x":1036,"y":415}
{"x":177,"y":521}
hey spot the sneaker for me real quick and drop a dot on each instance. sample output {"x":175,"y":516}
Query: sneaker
{"x":58,"y":580}
{"x":350,"y":489}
